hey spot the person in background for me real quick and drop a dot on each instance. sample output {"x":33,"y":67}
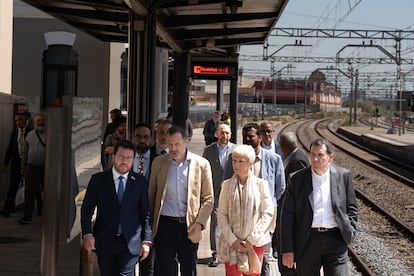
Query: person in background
{"x":294,"y":160}
{"x":181,"y":200}
{"x":155,"y":128}
{"x":110,"y":128}
{"x":210,"y":128}
{"x":161,"y":143}
{"x":33,"y":168}
{"x":113,"y":138}
{"x":122,"y":230}
{"x":245,"y":213}
{"x":269,"y":142}
{"x":217,"y":154}
{"x":319,"y":215}
{"x":225,"y":118}
{"x":14,"y":155}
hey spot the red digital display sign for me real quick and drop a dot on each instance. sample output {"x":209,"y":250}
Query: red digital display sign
{"x":210,"y":70}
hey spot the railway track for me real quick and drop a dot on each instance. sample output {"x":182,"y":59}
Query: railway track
{"x":310,"y":130}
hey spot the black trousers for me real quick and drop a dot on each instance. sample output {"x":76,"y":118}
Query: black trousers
{"x":15,"y":177}
{"x":326,"y":249}
{"x":170,"y":243}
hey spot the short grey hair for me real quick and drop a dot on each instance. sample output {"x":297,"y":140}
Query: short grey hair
{"x":289,"y":140}
{"x":245,"y":151}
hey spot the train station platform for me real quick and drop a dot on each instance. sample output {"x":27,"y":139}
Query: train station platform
{"x":382,"y":134}
{"x":20,"y":245}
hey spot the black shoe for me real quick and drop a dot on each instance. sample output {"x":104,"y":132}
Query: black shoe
{"x":25,"y":220}
{"x":214,"y":262}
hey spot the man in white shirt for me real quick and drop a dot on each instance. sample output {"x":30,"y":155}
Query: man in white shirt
{"x":217,"y":154}
{"x":319,"y":215}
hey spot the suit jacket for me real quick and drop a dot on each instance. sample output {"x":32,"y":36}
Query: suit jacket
{"x":12,"y":151}
{"x":133,"y":212}
{"x":297,"y":212}
{"x":211,"y":153}
{"x":200,"y":199}
{"x":298,"y":161}
{"x":272,"y":171}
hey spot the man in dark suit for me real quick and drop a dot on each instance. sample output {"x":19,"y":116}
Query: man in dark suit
{"x":319,"y":215}
{"x":217,"y":154}
{"x":142,"y":165}
{"x":14,"y":154}
{"x":293,"y":160}
{"x":122,"y":230}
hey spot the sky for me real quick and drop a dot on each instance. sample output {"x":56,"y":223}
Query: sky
{"x":339,"y":14}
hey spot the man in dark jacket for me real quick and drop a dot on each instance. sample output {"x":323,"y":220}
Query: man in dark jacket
{"x":14,"y":154}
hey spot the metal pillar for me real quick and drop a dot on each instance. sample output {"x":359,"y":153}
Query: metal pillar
{"x":134,"y":69}
{"x":220,"y":96}
{"x":54,"y":171}
{"x":180,"y":96}
{"x":141,"y":70}
{"x":306,"y":98}
{"x":355,"y":96}
{"x":234,"y":104}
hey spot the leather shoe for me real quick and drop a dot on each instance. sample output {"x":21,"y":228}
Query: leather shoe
{"x":214,"y":262}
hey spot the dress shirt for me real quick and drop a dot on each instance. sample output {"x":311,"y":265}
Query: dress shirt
{"x":323,"y":215}
{"x":159,"y":151}
{"x":175,"y":201}
{"x":116,"y":176}
{"x":20,"y":141}
{"x":223,"y":154}
{"x":270,"y":147}
{"x":35,"y":151}
{"x":146,"y":159}
{"x":273,"y":147}
{"x":257,"y":165}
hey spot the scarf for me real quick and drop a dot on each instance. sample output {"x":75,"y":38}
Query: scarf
{"x":243,"y":202}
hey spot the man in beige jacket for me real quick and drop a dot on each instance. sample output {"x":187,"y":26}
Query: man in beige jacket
{"x":181,"y":200}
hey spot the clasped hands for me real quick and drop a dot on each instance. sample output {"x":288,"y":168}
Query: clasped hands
{"x":241,"y":245}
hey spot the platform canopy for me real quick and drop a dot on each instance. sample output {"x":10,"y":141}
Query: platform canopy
{"x":211,"y":27}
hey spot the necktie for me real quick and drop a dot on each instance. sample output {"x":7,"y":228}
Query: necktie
{"x":120,"y":195}
{"x":120,"y":189}
{"x":20,"y":142}
{"x":163,"y":152}
{"x":141,"y":164}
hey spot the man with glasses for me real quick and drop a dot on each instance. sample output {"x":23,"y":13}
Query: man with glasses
{"x":122,"y":231}
{"x":319,"y":215}
{"x":268,"y":138}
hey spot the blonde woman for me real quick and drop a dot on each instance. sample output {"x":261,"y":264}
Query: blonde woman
{"x":245,"y":212}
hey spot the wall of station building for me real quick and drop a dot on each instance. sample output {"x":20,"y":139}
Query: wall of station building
{"x":98,"y":67}
{"x":28,"y":47}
